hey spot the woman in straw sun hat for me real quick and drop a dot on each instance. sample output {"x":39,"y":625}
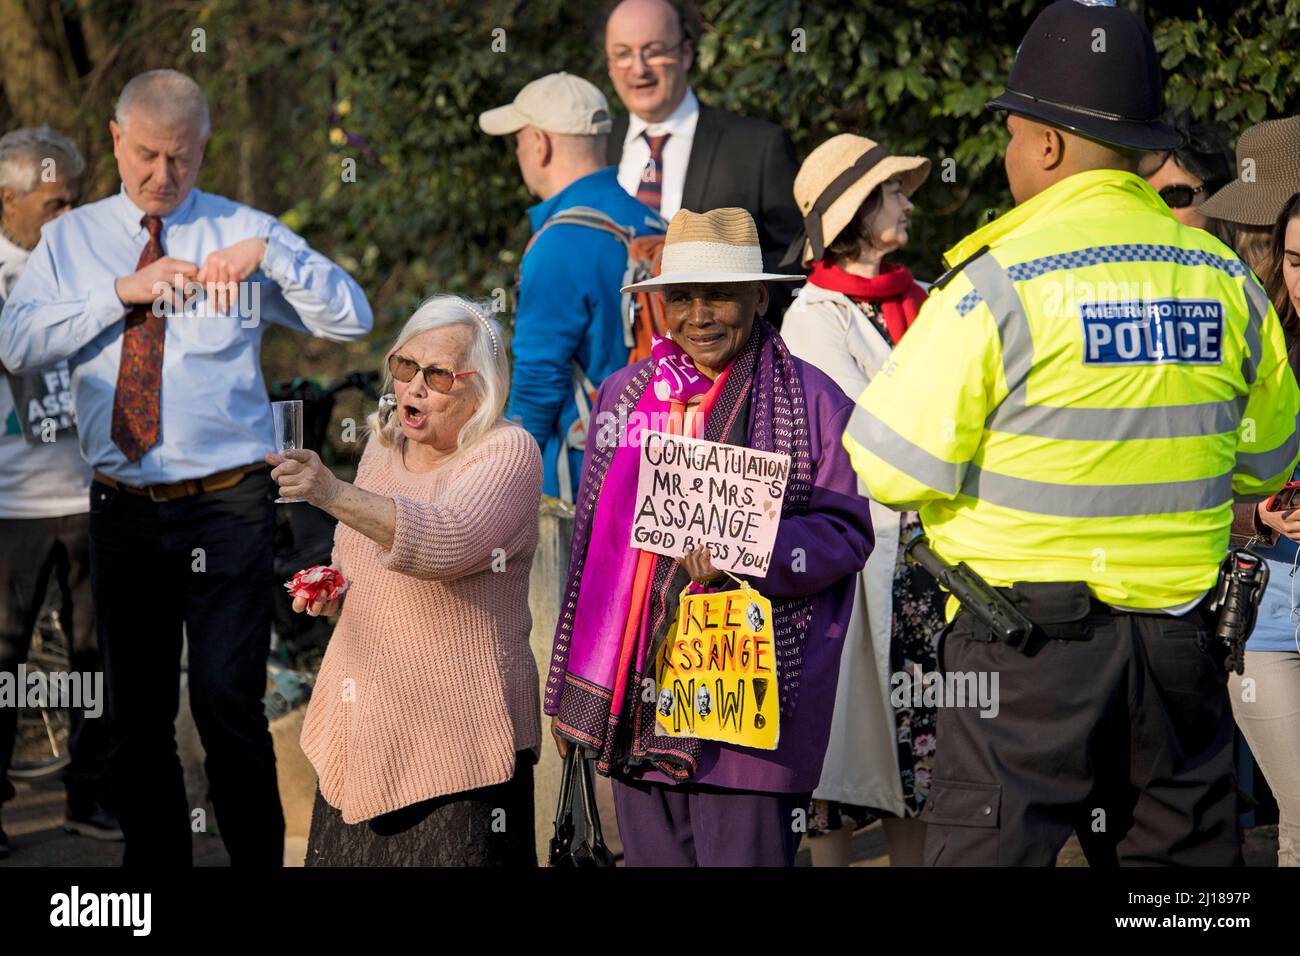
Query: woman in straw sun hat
{"x":856,"y":306}
{"x":724,"y":375}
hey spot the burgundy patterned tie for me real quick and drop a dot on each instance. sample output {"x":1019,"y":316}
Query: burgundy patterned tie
{"x":650,"y":191}
{"x":138,"y":400}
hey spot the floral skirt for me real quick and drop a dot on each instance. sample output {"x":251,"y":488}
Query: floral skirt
{"x":918,"y":619}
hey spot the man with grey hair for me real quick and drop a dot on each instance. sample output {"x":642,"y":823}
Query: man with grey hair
{"x":44,"y":486}
{"x":157,"y":294}
{"x":40,"y":178}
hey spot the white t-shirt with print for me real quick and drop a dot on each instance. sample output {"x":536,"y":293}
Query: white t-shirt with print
{"x":48,"y":479}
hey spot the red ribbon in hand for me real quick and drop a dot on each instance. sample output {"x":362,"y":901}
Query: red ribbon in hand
{"x":319,"y":584}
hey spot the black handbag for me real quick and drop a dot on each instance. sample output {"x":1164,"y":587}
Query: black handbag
{"x":571,"y":846}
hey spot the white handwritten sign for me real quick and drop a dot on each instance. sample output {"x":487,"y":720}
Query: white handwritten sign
{"x":692,"y":492}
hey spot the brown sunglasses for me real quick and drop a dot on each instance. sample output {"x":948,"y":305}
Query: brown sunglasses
{"x":436,"y":377}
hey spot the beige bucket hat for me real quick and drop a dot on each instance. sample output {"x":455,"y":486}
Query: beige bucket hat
{"x":717,"y":246}
{"x":834,"y":181}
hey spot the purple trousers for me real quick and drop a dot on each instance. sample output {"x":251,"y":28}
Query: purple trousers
{"x":663,"y":825}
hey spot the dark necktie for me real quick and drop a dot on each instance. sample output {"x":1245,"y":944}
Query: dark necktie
{"x":650,"y":191}
{"x":137,"y":403}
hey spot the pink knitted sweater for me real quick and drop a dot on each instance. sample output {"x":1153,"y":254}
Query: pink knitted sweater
{"x":429,"y":686}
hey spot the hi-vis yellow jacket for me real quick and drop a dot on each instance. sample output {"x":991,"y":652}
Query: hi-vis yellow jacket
{"x":1083,"y":401}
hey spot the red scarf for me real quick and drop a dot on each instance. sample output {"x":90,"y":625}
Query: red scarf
{"x":893,"y":291}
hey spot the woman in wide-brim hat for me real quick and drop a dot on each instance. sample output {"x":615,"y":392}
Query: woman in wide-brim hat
{"x":855,"y":198}
{"x":724,"y":375}
{"x":1268,"y":174}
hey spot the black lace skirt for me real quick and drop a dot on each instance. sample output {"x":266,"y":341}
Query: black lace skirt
{"x":491,"y":826}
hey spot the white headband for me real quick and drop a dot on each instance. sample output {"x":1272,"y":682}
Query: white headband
{"x":486,"y":324}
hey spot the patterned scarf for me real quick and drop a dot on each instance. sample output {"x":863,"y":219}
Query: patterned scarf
{"x":759,"y":405}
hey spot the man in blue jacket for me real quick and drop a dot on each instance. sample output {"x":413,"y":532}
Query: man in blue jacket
{"x":569,"y":327}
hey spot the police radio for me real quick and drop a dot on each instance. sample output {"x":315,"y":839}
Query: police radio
{"x":1242,"y":580}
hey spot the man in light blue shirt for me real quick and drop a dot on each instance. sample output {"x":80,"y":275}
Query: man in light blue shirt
{"x":158,"y":296}
{"x":215,"y":412}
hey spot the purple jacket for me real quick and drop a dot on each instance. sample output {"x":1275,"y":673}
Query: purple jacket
{"x":830,"y":544}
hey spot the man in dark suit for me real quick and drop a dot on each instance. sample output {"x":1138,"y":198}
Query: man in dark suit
{"x":674,"y":153}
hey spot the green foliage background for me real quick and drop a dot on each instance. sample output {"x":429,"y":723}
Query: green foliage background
{"x":300,"y":87}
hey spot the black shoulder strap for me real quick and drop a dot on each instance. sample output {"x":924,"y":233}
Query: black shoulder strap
{"x":948,"y":276}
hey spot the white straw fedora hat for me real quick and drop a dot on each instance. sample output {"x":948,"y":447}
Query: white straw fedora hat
{"x":716,"y":246}
{"x":834,"y":181}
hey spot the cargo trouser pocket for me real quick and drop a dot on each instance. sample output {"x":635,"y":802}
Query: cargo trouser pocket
{"x":963,"y":820}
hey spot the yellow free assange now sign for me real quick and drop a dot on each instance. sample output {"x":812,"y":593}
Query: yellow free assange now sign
{"x":716,"y":673}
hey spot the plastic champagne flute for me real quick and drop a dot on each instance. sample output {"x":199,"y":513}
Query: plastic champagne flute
{"x":287,"y":419}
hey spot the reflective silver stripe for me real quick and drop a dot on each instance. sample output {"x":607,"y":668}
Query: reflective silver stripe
{"x":1097,"y":501}
{"x":993,"y":284}
{"x":883,"y":442}
{"x":1257,"y":306}
{"x":1014,"y":416}
{"x":1116,"y":424}
{"x":1266,"y":464}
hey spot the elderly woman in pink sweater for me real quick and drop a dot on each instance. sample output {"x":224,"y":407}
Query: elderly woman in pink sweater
{"x":424,"y":723}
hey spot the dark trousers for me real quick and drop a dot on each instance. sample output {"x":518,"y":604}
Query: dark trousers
{"x":32,"y":552}
{"x":203,"y":563}
{"x":1124,"y":736}
{"x":691,"y":825}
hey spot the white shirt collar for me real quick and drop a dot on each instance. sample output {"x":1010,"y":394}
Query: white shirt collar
{"x":133,"y":214}
{"x":680,"y":122}
{"x":11,"y":252}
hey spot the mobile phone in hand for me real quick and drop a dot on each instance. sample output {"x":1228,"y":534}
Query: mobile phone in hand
{"x":1286,"y":499}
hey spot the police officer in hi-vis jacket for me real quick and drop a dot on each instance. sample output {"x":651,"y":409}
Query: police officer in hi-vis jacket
{"x":1078,"y":405}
